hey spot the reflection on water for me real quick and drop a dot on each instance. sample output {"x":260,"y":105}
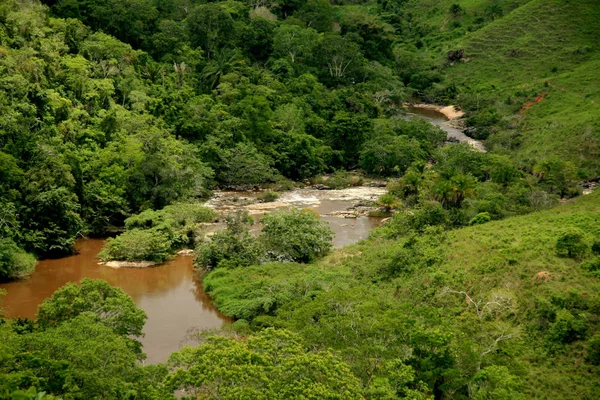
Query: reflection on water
{"x":170,"y":294}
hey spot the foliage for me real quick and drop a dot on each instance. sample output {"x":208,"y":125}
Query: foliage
{"x":174,"y":98}
{"x":481,"y":218}
{"x":389,"y":155}
{"x":232,"y":247}
{"x":154,"y":235}
{"x":137,"y":245}
{"x":341,"y":179}
{"x":295,"y":235}
{"x":15,"y":263}
{"x":272,"y":364}
{"x":95,"y":361}
{"x":269,"y":196}
{"x":110,"y":306}
{"x":572,"y":243}
{"x":429,"y":303}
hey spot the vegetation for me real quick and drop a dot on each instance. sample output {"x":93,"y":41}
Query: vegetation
{"x":287,"y":235}
{"x":155,"y":235}
{"x":520,"y":321}
{"x":483,"y":284}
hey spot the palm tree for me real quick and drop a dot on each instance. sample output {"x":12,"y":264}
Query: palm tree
{"x":223,"y":62}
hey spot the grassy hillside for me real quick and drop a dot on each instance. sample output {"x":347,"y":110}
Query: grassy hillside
{"x":538,"y":66}
{"x":484,"y":308}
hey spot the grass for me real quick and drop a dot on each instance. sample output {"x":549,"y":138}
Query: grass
{"x":546,"y":49}
{"x":514,"y":258}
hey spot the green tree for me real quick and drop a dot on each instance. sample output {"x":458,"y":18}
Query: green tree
{"x":210,"y":26}
{"x":294,"y":42}
{"x":295,"y":235}
{"x":52,"y":222}
{"x":339,"y":60}
{"x":317,"y":14}
{"x":232,"y":247}
{"x":390,"y":155}
{"x":82,"y":354}
{"x":572,"y":243}
{"x":347,"y":133}
{"x":112,"y":307}
{"x":223,"y":62}
{"x":272,"y":364}
{"x":496,"y":383}
{"x":15,"y":263}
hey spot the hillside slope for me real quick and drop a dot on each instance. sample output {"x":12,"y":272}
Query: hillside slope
{"x":476,"y":312}
{"x":537,"y":66}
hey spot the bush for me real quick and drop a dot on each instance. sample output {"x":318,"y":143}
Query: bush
{"x":572,"y":243}
{"x":295,"y":235}
{"x":389,"y":202}
{"x":430,"y":213}
{"x":232,"y":247}
{"x":593,"y":350}
{"x":15,"y":263}
{"x":343,"y":179}
{"x":481,"y":218}
{"x":592,"y":266}
{"x":390,"y":155}
{"x":175,"y":215}
{"x":138,"y":245}
{"x":596,"y":247}
{"x":567,"y":328}
{"x":176,"y":222}
{"x":268,"y":196}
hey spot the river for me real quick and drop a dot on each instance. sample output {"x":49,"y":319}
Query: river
{"x":438,"y":119}
{"x":171,"y":294}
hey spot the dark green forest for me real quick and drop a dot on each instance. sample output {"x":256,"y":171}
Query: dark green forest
{"x":123,"y":117}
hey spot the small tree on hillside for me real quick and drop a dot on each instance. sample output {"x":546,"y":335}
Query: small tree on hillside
{"x":572,"y":243}
{"x":456,"y":10}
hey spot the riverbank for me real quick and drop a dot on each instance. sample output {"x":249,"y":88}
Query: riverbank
{"x":447,"y":118}
{"x":450,"y":112}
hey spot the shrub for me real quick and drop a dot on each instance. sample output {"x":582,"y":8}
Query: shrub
{"x":295,"y":235}
{"x":430,"y":213}
{"x":343,"y":179}
{"x":175,"y":215}
{"x":232,"y":247}
{"x":572,"y":243}
{"x":137,"y":245}
{"x":15,"y":263}
{"x":567,"y":328}
{"x":268,"y":196}
{"x":592,"y":265}
{"x":593,"y":350}
{"x":389,"y":202}
{"x":177,"y":222}
{"x":481,"y":218}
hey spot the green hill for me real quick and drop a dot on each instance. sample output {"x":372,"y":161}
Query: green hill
{"x":475,"y":311}
{"x":538,"y":66}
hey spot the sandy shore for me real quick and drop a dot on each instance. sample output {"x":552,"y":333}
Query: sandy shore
{"x":450,"y":112}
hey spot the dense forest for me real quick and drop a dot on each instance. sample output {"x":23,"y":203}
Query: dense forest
{"x":123,"y":116}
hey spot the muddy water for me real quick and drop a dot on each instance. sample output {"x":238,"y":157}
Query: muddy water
{"x":438,"y":119}
{"x":324,"y":202}
{"x":170,"y":294}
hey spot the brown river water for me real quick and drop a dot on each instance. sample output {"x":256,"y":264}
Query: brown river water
{"x":171,"y":294}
